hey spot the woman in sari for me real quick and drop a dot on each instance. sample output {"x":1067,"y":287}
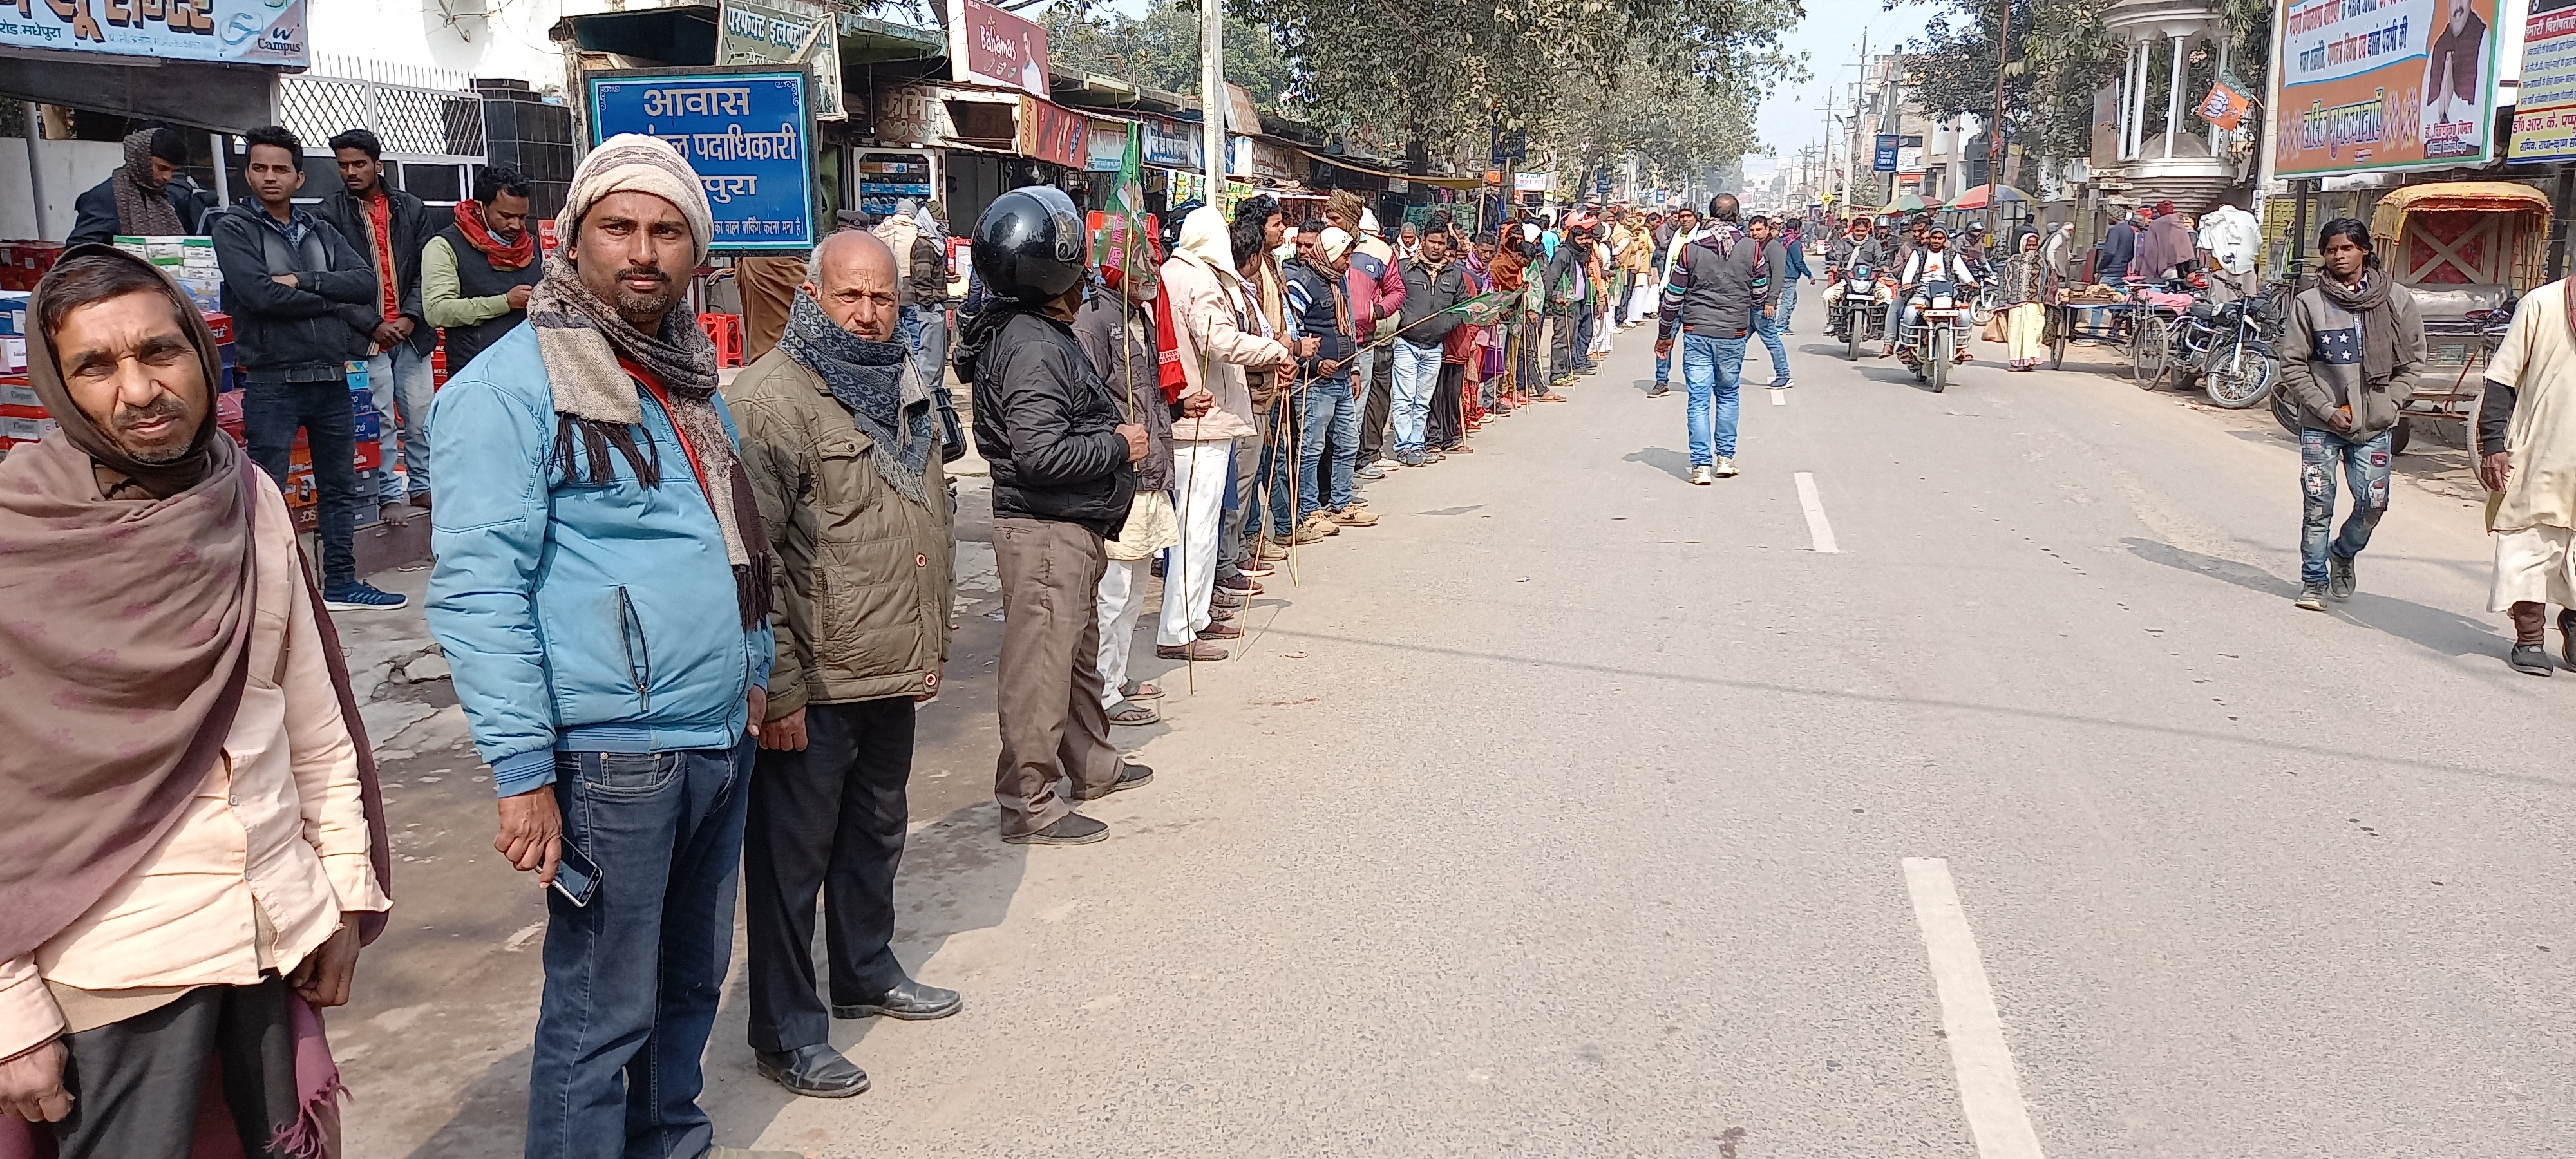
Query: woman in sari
{"x":2022,"y":291}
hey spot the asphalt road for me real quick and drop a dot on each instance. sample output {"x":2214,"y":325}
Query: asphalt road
{"x":1576,"y":811}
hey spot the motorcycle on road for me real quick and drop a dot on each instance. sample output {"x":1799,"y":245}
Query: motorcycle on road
{"x":1936,"y":340}
{"x":1862,"y":311}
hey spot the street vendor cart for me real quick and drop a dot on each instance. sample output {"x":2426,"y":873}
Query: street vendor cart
{"x":2077,"y":315}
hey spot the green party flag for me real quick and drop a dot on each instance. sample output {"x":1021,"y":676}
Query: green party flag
{"x":1120,"y":242}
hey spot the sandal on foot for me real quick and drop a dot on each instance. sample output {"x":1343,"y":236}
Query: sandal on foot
{"x":1131,"y":713}
{"x":1140,"y":690}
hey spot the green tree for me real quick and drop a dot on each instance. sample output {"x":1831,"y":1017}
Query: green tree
{"x":1161,"y":49}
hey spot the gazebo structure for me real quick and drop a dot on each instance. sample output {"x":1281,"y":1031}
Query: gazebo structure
{"x":2160,"y":158}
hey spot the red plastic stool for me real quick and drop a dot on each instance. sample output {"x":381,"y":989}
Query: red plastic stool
{"x":725,"y":330}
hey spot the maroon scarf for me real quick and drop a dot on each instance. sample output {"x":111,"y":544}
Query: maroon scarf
{"x":510,"y":256}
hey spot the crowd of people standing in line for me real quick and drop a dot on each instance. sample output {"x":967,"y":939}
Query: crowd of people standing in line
{"x":206,"y":852}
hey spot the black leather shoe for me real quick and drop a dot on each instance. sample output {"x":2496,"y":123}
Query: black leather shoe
{"x":1129,"y":776}
{"x":911,"y":1001}
{"x":817,"y":1071}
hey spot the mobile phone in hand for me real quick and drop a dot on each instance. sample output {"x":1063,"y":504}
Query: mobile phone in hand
{"x":576,"y":876}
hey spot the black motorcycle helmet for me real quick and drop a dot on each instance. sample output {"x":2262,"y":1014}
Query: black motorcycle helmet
{"x":1029,"y":245}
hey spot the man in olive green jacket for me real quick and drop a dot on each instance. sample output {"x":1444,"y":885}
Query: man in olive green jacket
{"x":841,"y":441}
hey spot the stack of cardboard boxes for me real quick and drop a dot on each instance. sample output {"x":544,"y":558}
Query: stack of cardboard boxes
{"x":22,"y":418}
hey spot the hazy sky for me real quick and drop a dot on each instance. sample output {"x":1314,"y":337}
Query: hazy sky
{"x":1830,"y":36}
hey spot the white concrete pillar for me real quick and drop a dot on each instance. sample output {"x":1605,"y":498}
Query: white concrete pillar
{"x":2223,"y":37}
{"x":2173,"y":96}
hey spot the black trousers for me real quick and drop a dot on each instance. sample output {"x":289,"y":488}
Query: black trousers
{"x":271,"y":413}
{"x":1378,"y":413}
{"x":135,"y":1084}
{"x":831,"y":820}
{"x":1441,"y":429}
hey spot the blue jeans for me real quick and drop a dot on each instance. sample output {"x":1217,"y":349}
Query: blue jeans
{"x":1585,"y":324}
{"x":1331,"y":413}
{"x":2365,"y":468}
{"x":271,"y":413}
{"x":1788,"y":302}
{"x":1664,"y":368}
{"x":1710,"y":369}
{"x":1770,"y":329}
{"x":401,"y":384}
{"x":633,"y":978}
{"x":1417,"y":374}
{"x":1287,"y":422}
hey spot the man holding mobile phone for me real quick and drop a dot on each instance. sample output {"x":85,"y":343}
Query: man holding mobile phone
{"x":603,"y":593}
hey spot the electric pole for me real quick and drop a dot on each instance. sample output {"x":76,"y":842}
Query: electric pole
{"x":1995,"y":143}
{"x":1213,"y":104}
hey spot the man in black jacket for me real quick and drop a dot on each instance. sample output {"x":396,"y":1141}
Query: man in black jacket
{"x":1432,"y":284}
{"x":387,"y":227}
{"x":130,"y":200}
{"x":1064,"y":477}
{"x":1717,"y":285}
{"x":297,"y":294}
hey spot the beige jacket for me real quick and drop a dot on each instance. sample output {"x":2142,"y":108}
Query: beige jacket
{"x":269,"y":855}
{"x":1208,"y":301}
{"x":863,"y":573}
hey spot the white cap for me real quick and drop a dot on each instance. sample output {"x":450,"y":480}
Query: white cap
{"x":1334,"y":243}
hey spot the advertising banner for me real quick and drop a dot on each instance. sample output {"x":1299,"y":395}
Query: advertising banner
{"x":1531,"y":182}
{"x":915,"y":115}
{"x":746,"y":133}
{"x":1174,"y":145}
{"x":1883,"y":159}
{"x":2384,"y":84}
{"x":1253,"y":157}
{"x":2544,"y":116}
{"x":1052,"y":132}
{"x":786,"y":32}
{"x":989,"y":46}
{"x":232,"y":31}
{"x":1106,"y":149}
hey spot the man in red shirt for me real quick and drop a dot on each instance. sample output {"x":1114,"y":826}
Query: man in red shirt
{"x":388,"y":227}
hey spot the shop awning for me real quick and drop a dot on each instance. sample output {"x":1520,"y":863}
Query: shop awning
{"x":1392,"y":174}
{"x":232,"y":98}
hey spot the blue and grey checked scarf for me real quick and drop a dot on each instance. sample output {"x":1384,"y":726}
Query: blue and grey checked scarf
{"x":869,"y":379}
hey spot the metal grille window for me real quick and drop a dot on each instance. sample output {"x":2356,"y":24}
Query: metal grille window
{"x":432,"y":137}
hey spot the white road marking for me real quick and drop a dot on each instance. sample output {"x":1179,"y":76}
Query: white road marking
{"x":1779,"y":398}
{"x":1989,"y":1089}
{"x":1818,"y":531}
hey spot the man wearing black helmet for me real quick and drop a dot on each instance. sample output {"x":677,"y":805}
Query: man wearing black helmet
{"x":1063,"y":479}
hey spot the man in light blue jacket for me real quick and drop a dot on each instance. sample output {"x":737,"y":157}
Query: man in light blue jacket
{"x":602,"y":594}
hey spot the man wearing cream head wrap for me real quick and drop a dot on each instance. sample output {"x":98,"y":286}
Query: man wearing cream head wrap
{"x":592,"y":521}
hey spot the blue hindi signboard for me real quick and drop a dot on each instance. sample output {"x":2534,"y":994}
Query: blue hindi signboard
{"x":1884,"y":160}
{"x":748,"y":133}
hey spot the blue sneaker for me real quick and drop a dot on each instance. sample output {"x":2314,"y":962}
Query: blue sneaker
{"x":358,"y":596}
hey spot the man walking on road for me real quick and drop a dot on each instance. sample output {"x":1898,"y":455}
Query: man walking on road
{"x":195,"y":836}
{"x":602,"y":593}
{"x":388,"y":227}
{"x":841,"y":441}
{"x":1773,"y":319}
{"x":1064,"y":477}
{"x":302,"y":303}
{"x":1716,"y":289}
{"x":2527,"y":434}
{"x":2348,"y":357}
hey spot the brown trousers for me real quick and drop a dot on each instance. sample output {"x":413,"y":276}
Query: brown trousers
{"x":1049,"y":701}
{"x":768,"y":286}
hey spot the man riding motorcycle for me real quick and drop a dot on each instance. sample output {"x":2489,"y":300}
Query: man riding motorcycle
{"x":1865,"y":245}
{"x":1933,"y":262}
